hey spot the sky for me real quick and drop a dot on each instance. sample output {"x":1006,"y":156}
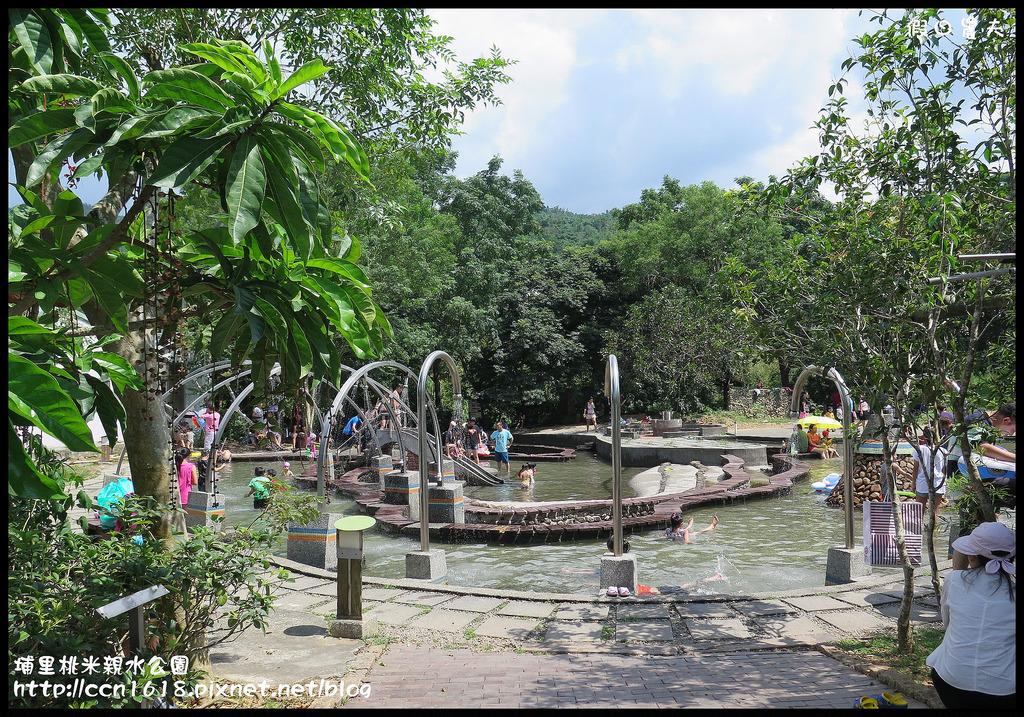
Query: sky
{"x":605,"y":103}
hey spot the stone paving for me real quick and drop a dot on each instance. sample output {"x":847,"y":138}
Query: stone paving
{"x":760,"y":651}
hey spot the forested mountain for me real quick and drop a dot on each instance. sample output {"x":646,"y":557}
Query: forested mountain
{"x":561,"y":228}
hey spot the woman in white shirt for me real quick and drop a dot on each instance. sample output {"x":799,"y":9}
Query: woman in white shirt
{"x":975,"y":666}
{"x":925,"y":454}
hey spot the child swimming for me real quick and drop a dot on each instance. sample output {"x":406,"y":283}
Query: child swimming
{"x":676,"y":530}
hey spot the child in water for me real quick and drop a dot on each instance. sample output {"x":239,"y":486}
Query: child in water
{"x":527,"y":476}
{"x":287,"y":473}
{"x":676,"y":530}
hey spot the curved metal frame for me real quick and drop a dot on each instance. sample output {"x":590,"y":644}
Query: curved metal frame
{"x":611,"y":389}
{"x":329,"y":417}
{"x":845,"y":397}
{"x":421,"y":430}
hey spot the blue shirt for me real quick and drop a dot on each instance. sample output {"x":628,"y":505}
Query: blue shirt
{"x":501,"y":439}
{"x":352,"y":425}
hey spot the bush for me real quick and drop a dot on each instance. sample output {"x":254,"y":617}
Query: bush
{"x":218,"y":585}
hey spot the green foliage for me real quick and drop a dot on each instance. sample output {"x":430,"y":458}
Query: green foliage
{"x":219,"y":585}
{"x":886,"y":649}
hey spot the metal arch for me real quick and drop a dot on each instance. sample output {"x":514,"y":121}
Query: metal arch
{"x":421,"y":430}
{"x":328,"y":421}
{"x":846,"y":397}
{"x":611,"y":389}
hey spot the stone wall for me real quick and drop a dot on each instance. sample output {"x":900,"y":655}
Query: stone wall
{"x":867,"y":479}
{"x":770,"y":402}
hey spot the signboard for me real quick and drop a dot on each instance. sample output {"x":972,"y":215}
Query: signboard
{"x":880,"y":533}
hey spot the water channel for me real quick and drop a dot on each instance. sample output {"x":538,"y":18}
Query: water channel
{"x":761,"y":545}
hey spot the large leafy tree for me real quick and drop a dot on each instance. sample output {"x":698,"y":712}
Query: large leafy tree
{"x":930,"y":179}
{"x":268,"y":272}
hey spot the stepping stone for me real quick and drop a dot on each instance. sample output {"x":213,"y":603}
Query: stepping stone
{"x":527,"y":608}
{"x":473,"y":603}
{"x":305,"y":582}
{"x":422,"y":598}
{"x":646,"y":631}
{"x":704,"y":609}
{"x":508,"y":627}
{"x":759,"y":608}
{"x":728,"y":629}
{"x":443,"y":620}
{"x":582,"y":612}
{"x":865,"y":598}
{"x":394,"y":613}
{"x":799,"y":628}
{"x":330,"y":589}
{"x":301,"y":601}
{"x":574,"y":631}
{"x":626,"y":611}
{"x":855,"y":621}
{"x":814,"y":603}
{"x":382,"y":594}
{"x":918,"y":613}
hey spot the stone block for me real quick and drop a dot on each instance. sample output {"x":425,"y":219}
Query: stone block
{"x":314,"y":543}
{"x":447,"y":471}
{"x":401,"y":488}
{"x":203,"y":508}
{"x":354,"y":629}
{"x":844,"y":565}
{"x":445,"y":503}
{"x":430,"y":565}
{"x":619,"y":571}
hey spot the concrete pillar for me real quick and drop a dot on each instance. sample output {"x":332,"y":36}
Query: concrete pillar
{"x":203,"y":508}
{"x":447,"y":472}
{"x":428,"y":565}
{"x":445,"y":503}
{"x":313,"y":543}
{"x":402,"y":488}
{"x":381,"y":466}
{"x":619,"y":571}
{"x":845,"y":565}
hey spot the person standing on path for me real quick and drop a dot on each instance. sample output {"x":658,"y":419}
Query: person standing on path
{"x":502,"y":438}
{"x":590,"y":415}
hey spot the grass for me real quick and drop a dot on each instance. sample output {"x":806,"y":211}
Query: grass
{"x":884,"y":649}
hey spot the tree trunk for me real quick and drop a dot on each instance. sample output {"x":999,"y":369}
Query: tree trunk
{"x":783,"y":373}
{"x":905,"y":635}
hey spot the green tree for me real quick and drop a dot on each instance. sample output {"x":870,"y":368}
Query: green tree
{"x":267,"y":269}
{"x":929,"y":180}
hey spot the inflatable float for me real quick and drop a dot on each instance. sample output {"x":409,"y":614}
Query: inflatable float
{"x":828,"y":483}
{"x":990,"y":469}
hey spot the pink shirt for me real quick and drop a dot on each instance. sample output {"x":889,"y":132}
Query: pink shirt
{"x":187,"y":476}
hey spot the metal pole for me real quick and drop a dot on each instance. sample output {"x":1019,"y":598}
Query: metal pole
{"x":844,"y":396}
{"x":421,"y":431}
{"x":611,"y":389}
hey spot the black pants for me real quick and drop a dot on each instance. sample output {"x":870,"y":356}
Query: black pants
{"x":956,"y":699}
{"x":259,"y":503}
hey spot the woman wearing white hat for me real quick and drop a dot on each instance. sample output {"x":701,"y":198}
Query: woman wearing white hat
{"x":975,"y":666}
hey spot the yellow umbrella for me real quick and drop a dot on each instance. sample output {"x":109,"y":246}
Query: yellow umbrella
{"x":820,"y":422}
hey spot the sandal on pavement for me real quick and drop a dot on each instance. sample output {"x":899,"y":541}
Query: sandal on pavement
{"x":865,"y":703}
{"x":613,"y":591}
{"x":623,"y":592}
{"x":889,"y":700}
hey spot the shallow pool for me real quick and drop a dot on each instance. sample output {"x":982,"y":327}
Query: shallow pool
{"x":763,"y":545}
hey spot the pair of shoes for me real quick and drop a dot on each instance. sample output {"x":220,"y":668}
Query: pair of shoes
{"x":865,"y":703}
{"x":614,"y":591}
{"x":889,"y":700}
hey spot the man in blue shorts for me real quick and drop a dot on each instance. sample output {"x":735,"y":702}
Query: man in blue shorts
{"x":502,"y":440}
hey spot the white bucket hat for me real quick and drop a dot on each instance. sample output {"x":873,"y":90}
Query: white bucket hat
{"x":986,"y":540}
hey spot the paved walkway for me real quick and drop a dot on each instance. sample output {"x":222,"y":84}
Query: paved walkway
{"x":463,"y":647}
